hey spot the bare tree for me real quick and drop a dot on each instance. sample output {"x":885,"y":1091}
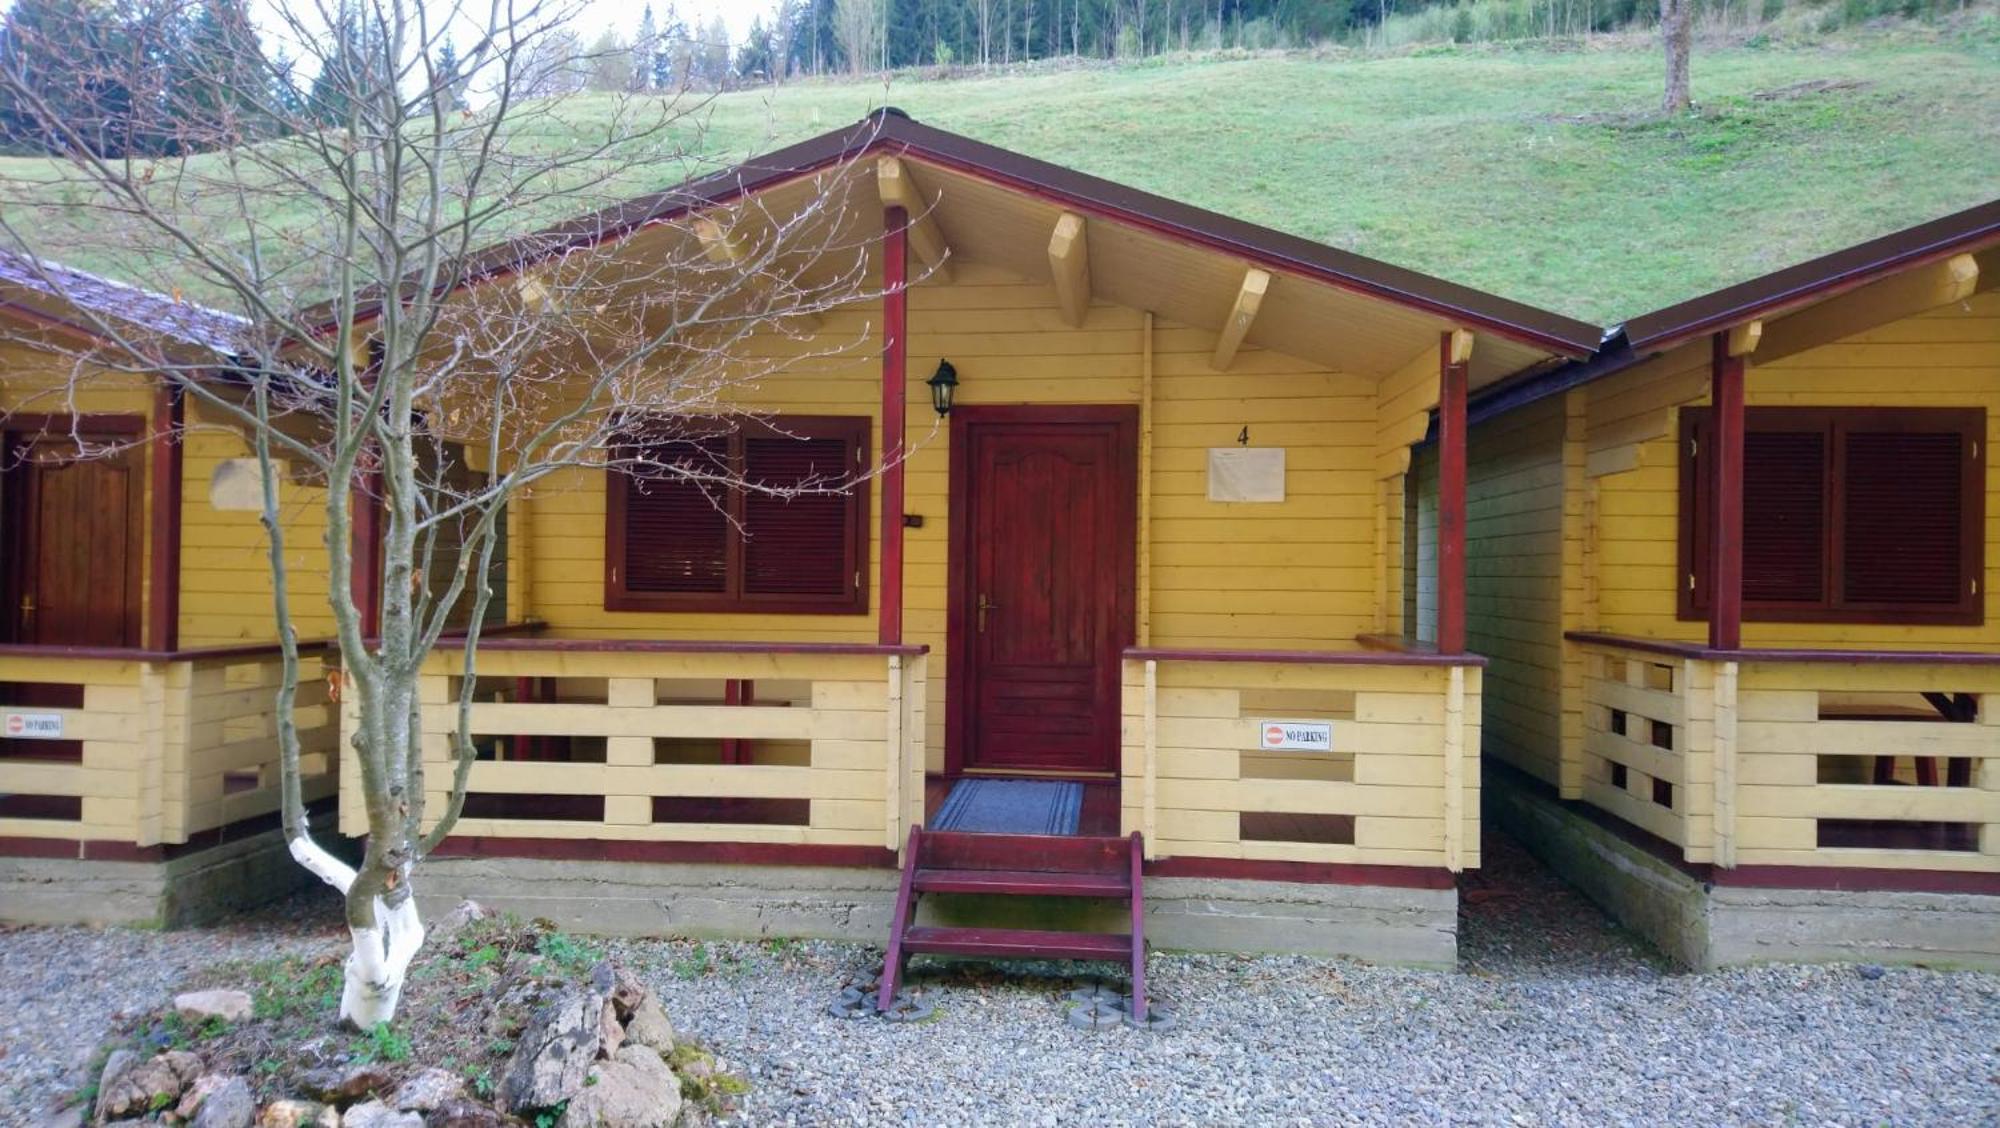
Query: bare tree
{"x":401,"y":342}
{"x":857,"y":25}
{"x":1676,"y":35}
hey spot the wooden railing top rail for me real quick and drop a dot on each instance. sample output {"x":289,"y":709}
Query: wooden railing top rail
{"x":695,"y":646}
{"x":1368,"y":655}
{"x":141,"y":654}
{"x":1674,"y":649}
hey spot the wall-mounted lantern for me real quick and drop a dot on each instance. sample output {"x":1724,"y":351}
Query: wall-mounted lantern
{"x":943,"y":383}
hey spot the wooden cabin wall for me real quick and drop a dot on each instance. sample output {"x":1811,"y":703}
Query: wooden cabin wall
{"x":1514,"y":581}
{"x":1946,"y":357}
{"x":226,"y":578}
{"x":1296,"y":574}
{"x":1420,"y":546}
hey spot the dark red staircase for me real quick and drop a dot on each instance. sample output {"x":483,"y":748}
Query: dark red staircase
{"x":1019,"y":865}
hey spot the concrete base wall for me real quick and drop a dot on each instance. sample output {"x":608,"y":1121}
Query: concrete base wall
{"x":1401,"y":926}
{"x":1700,"y":925}
{"x":193,"y":889}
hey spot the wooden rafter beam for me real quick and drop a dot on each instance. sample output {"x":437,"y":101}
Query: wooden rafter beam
{"x":1743,"y":339}
{"x":1878,"y":303}
{"x":1069,"y":266}
{"x":899,"y":190}
{"x":1242,"y":312}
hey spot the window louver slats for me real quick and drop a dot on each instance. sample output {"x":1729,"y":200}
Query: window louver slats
{"x":1784,"y":517}
{"x":1902,"y":512}
{"x":795,"y":545}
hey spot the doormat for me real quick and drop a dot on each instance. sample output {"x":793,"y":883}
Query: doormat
{"x":1011,"y":806}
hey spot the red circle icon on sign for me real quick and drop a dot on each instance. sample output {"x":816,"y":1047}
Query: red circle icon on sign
{"x":1274,"y":734}
{"x":14,"y":724}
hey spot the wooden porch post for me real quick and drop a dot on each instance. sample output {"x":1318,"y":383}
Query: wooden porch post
{"x":163,"y":604}
{"x":1725,"y":565}
{"x":1451,"y":496}
{"x":365,"y":564}
{"x":895,"y":389}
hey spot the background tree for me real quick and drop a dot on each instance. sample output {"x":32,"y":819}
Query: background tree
{"x":610,"y":64}
{"x":397,"y":329}
{"x":858,"y":28}
{"x":1676,"y":35}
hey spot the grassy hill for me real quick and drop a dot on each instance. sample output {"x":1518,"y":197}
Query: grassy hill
{"x":1536,"y":172}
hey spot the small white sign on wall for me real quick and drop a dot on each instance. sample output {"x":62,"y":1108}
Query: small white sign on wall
{"x":1295,"y":736}
{"x":34,"y":726}
{"x":1246,"y":474}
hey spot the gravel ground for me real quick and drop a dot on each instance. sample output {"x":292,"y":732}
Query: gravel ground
{"x":1555,"y":1017}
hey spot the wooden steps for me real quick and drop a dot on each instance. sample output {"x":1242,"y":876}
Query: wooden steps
{"x":1019,"y":865}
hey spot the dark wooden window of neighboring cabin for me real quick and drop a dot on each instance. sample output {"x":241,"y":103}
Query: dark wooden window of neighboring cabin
{"x":674,"y":542}
{"x":1854,"y":515}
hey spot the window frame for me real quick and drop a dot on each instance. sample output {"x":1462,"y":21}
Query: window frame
{"x":1835,"y":422}
{"x":851,"y":429}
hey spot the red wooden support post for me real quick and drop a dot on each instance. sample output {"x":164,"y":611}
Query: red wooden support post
{"x":1725,"y":566}
{"x":163,"y":603}
{"x":365,"y":566}
{"x":895,"y":389}
{"x":1451,"y":500}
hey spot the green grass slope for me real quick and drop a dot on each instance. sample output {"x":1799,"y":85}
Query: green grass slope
{"x":1536,"y":173}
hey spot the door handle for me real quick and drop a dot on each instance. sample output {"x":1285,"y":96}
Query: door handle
{"x":985,"y":605}
{"x":27,"y":609}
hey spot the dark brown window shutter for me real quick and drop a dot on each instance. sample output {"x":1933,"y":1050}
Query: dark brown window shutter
{"x":796,"y":544}
{"x":1784,"y":516}
{"x":676,"y":532}
{"x":1903,"y":517}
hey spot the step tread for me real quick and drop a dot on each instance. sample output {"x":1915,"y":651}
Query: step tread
{"x":1019,"y":943}
{"x":1022,"y":882}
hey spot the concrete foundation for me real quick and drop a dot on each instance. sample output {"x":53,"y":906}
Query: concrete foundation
{"x":1701,"y":925}
{"x":1387,"y":925}
{"x":192,"y":888}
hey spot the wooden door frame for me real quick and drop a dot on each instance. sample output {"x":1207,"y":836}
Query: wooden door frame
{"x":958,"y":598}
{"x":26,"y":429}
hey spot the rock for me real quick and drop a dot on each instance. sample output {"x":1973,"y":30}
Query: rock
{"x":298,"y":1114}
{"x":555,"y":1051}
{"x":610,"y":1035}
{"x":1871,"y":971}
{"x":200,"y":1006}
{"x":227,"y":1105}
{"x":375,"y":1114}
{"x":626,"y":993}
{"x":454,"y":922}
{"x":464,"y":1113}
{"x":338,"y":1088}
{"x":428,"y":1090}
{"x":634,"y":1090}
{"x":116,"y":1066}
{"x":71,"y":1117}
{"x":155,"y":1083}
{"x":198,"y":1092}
{"x":650,"y":1027}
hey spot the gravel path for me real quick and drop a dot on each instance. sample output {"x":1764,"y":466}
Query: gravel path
{"x":1556,"y":1017}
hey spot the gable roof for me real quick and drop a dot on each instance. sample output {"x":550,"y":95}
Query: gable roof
{"x":892,"y":132}
{"x":50,"y":292}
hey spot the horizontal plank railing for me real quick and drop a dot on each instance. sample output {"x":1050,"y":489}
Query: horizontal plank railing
{"x":1397,"y":784}
{"x":1847,"y":758}
{"x":149,"y":748}
{"x":684,"y":742}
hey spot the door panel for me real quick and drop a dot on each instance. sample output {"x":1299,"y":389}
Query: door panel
{"x":75,"y":529}
{"x":1047,"y":605}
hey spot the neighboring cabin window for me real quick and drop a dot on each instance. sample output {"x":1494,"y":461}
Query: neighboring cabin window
{"x":1856,"y":515}
{"x":675,"y":542}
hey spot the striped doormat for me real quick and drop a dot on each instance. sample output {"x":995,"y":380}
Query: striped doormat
{"x":1011,"y":806}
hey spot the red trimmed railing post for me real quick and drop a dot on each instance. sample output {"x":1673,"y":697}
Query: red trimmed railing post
{"x":1451,"y":500}
{"x":365,"y":545}
{"x":895,"y":388}
{"x":1725,"y":565}
{"x":163,"y":602}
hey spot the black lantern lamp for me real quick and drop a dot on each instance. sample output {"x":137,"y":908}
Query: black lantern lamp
{"x":943,"y":383}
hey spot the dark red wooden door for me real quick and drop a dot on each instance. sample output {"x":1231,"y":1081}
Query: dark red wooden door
{"x":1046,"y":607}
{"x":77,"y":548}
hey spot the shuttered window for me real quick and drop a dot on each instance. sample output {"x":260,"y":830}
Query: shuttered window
{"x":1849,"y":514}
{"x":752,"y":520}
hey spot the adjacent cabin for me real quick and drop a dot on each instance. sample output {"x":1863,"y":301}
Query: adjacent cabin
{"x":1131,"y":570}
{"x":138,"y":765}
{"x":1735,"y":578}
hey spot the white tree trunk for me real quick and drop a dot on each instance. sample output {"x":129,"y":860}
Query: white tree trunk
{"x":375,"y":968}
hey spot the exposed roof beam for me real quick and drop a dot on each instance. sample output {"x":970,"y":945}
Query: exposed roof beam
{"x":1249,"y":296}
{"x":1744,"y":338}
{"x":1461,"y":347}
{"x":899,"y":190}
{"x":1069,"y":265}
{"x":1878,"y":303}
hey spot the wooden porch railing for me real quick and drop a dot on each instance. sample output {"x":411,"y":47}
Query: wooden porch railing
{"x":1865,"y":759}
{"x":1396,"y":784}
{"x":150,"y":748}
{"x":681,"y":742}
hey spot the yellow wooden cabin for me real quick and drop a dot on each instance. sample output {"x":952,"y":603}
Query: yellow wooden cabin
{"x":1162,"y":517}
{"x":138,"y":769}
{"x":1736,"y":580}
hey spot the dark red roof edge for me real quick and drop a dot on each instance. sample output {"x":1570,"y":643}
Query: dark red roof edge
{"x":891,"y":129}
{"x":1843,"y":269}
